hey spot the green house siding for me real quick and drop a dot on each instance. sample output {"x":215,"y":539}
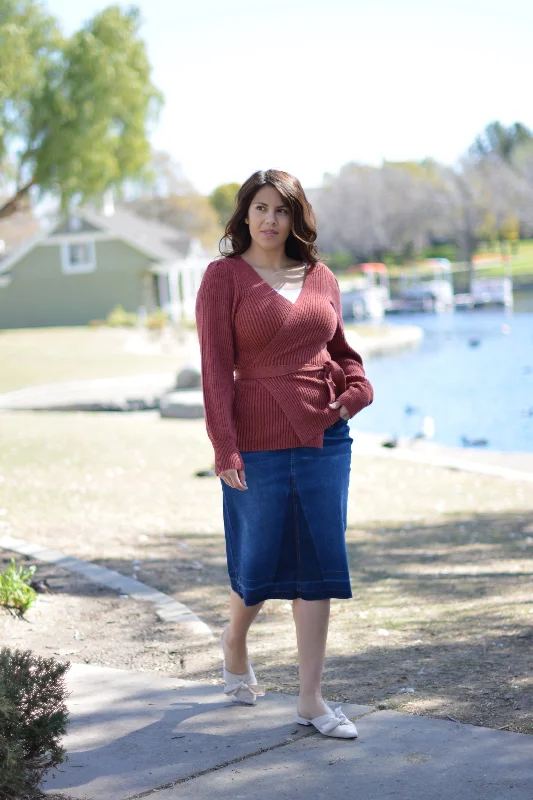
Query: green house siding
{"x":41,"y":295}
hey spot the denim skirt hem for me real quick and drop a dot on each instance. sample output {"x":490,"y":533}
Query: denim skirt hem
{"x":286,"y":534}
{"x":325,"y":593}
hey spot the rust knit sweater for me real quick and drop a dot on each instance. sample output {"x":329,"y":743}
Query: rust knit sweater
{"x":244,"y":323}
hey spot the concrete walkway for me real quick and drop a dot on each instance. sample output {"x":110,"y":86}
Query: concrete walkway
{"x":89,"y":394}
{"x":139,"y":734}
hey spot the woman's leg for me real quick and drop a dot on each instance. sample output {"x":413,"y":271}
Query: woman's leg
{"x":234,"y":635}
{"x":312,"y":619}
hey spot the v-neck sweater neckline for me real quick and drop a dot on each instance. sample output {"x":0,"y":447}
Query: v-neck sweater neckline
{"x":241,"y":260}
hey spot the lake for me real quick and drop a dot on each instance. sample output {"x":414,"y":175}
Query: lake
{"x":472,"y":373}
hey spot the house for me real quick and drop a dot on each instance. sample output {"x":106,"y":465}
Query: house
{"x":96,"y":259}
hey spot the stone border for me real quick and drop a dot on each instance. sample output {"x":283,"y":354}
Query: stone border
{"x":94,"y":394}
{"x":443,"y":460}
{"x":387,"y":340}
{"x":166,"y":608}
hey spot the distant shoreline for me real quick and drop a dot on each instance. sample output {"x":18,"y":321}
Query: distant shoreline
{"x":509,"y":464}
{"x":380,"y":340}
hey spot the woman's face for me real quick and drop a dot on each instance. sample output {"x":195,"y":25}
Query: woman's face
{"x":269,"y":219}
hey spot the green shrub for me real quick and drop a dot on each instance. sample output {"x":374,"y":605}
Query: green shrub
{"x":120,"y":318}
{"x":15,"y":591}
{"x":449,"y":251}
{"x":157,"y":320}
{"x":33,"y":716}
{"x":337,"y":262}
{"x":393,"y":259}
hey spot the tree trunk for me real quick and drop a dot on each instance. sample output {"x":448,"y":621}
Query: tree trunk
{"x":14,"y":203}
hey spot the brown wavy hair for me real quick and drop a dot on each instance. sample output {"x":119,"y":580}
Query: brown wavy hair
{"x":300,"y":243}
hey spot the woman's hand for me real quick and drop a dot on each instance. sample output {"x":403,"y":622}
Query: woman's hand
{"x":234,"y":478}
{"x":343,"y":410}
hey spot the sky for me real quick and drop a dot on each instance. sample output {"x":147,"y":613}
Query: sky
{"x":309,"y":85}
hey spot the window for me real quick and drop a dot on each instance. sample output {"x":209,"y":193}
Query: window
{"x":78,"y":257}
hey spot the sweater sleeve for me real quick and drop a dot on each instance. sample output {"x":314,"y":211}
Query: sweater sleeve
{"x":214,"y":322}
{"x":359,"y":392}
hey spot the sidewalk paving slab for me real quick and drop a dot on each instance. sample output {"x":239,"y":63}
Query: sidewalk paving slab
{"x":131,"y":732}
{"x":396,"y":757}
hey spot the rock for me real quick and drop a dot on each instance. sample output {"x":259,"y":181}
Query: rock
{"x":189,"y":377}
{"x":183,"y":404}
{"x":205,"y":473}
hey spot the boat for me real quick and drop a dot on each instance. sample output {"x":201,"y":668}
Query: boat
{"x":433,"y":296}
{"x":366,"y":294}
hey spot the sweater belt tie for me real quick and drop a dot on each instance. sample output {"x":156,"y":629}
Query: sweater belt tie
{"x":332,"y":372}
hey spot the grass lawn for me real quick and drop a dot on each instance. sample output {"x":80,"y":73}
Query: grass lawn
{"x":34,"y":356}
{"x":521,"y":263}
{"x":441,"y":563}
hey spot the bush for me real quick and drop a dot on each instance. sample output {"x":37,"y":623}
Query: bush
{"x":15,"y":591}
{"x":394,"y":259}
{"x":157,"y":320}
{"x":337,"y":262}
{"x":449,"y":251}
{"x":33,"y":716}
{"x":120,"y":318}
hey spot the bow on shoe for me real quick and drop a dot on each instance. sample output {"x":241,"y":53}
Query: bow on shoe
{"x":334,"y":722}
{"x":253,"y":688}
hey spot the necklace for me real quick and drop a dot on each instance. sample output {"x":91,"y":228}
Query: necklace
{"x":291,"y":276}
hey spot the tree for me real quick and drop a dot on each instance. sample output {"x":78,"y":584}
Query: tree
{"x":162,"y":177}
{"x":223,"y":200}
{"x":29,"y":42}
{"x":500,"y":143}
{"x":164,"y":194}
{"x":76,"y":122}
{"x":523,"y":163}
{"x":370,"y":212}
{"x":492,"y":180}
{"x":400,"y":208}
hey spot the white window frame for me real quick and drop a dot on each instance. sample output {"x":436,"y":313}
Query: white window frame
{"x":77,"y":269}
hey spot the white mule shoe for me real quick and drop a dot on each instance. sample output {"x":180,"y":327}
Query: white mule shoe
{"x":333,"y":724}
{"x":243,"y":688}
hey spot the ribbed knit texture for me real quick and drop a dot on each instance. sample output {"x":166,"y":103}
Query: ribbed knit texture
{"x":243,"y":322}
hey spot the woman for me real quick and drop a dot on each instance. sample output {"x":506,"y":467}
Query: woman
{"x":270,"y":312}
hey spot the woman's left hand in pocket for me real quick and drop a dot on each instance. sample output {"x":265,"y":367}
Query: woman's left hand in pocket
{"x":343,"y":411}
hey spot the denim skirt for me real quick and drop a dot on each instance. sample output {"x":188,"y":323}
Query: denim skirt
{"x":286,"y":534}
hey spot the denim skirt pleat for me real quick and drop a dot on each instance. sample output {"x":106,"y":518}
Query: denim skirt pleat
{"x":286,"y":535}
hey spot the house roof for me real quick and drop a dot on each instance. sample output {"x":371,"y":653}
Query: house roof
{"x":159,"y":242}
